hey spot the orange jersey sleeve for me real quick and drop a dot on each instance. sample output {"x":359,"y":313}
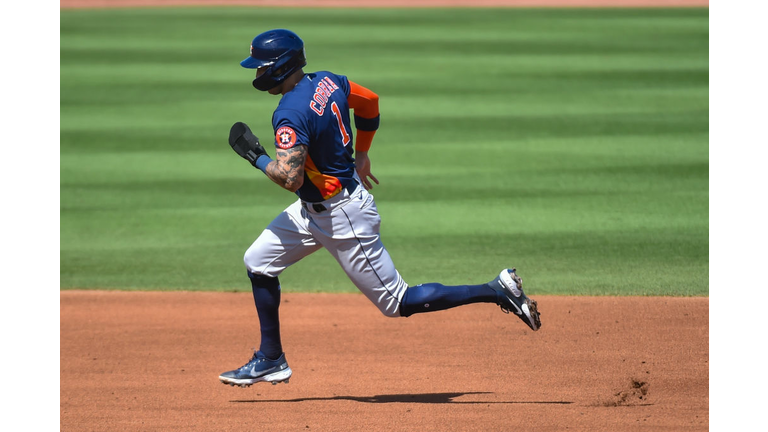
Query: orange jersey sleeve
{"x":365,"y":104}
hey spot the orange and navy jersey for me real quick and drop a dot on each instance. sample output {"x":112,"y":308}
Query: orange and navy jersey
{"x":316,"y":114}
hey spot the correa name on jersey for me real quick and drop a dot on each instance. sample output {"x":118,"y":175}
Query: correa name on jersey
{"x":323,"y":92}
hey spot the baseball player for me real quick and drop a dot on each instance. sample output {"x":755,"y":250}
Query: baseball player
{"x":314,"y":158}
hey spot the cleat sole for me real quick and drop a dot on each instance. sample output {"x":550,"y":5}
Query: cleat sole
{"x":533,"y":309}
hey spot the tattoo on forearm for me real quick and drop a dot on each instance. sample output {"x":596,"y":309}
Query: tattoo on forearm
{"x":289,"y":166}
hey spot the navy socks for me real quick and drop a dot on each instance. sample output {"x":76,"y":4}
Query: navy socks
{"x":266,"y":295}
{"x":432,"y":297}
{"x":427,"y":297}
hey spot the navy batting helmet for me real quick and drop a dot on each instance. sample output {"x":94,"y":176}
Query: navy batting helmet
{"x":280,"y":51}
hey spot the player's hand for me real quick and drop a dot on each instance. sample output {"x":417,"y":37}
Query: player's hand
{"x":245,"y":143}
{"x":363,"y":167}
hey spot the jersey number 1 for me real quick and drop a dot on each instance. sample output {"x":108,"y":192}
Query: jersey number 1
{"x":337,"y":114}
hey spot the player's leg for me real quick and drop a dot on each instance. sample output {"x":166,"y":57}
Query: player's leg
{"x":355,"y":242}
{"x":431,"y":297}
{"x":283,"y":243}
{"x":506,"y":290}
{"x":368,"y":265}
{"x":351,"y":235}
{"x":266,"y":296}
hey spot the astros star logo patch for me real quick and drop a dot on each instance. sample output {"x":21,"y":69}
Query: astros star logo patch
{"x":285,"y":137}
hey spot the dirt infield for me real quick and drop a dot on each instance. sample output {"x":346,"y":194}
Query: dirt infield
{"x":141,"y":361}
{"x":150,"y":361}
{"x":389,"y":3}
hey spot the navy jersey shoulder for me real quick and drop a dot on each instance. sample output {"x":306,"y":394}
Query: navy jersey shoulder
{"x":302,"y":97}
{"x":315,"y":113}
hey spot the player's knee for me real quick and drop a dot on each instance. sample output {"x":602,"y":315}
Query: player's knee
{"x":250,"y":258}
{"x":254,"y":262}
{"x":390,"y":304}
{"x":390,"y":313}
{"x":390,"y":309}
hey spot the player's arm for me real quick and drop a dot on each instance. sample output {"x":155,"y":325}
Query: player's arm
{"x":365,"y":106}
{"x":287,"y":170}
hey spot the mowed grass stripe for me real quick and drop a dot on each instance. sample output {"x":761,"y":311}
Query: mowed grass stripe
{"x":572,"y":143}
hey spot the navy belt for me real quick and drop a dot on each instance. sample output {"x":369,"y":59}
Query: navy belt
{"x":319,"y":207}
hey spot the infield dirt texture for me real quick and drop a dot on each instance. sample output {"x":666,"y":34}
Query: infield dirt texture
{"x":144,"y":361}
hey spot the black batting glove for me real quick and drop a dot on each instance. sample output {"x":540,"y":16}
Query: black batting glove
{"x":245,"y":143}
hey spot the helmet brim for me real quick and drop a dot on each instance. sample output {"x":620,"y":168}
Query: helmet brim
{"x":252,"y":63}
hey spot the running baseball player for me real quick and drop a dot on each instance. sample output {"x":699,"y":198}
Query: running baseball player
{"x":314,"y":158}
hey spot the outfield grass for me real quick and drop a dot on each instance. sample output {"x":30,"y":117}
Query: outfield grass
{"x":570,"y":143}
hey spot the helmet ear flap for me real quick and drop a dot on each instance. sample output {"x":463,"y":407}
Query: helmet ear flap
{"x":278,"y":72}
{"x":265,"y":81}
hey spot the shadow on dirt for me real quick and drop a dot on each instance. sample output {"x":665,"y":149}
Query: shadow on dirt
{"x":423,"y":398}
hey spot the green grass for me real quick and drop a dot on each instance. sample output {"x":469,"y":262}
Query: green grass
{"x":571,"y":143}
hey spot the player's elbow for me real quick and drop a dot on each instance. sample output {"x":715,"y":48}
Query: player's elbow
{"x":293,"y":184}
